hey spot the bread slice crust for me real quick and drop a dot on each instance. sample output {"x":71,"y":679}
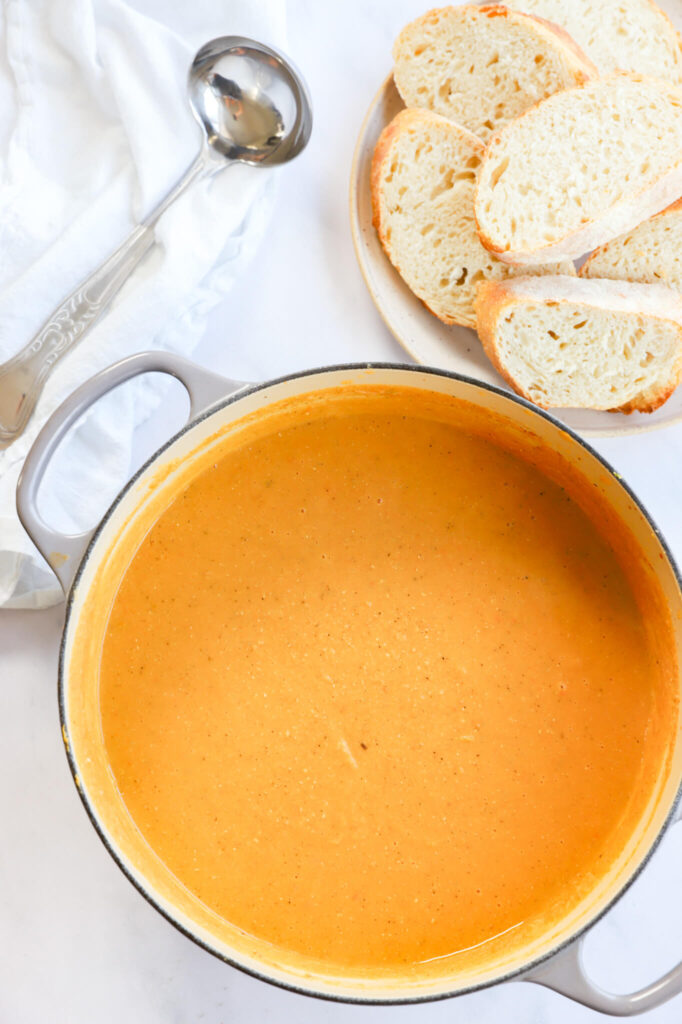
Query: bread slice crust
{"x":480,"y":66}
{"x":648,"y":42}
{"x":651,"y":253}
{"x":556,"y":299}
{"x":422,"y":182}
{"x":508,"y":154}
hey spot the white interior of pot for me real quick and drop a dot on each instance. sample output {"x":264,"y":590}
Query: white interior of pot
{"x":91,"y":600}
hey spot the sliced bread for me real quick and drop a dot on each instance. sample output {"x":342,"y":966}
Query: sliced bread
{"x":581,"y":168}
{"x":422,"y":181}
{"x":651,"y":253}
{"x":568,"y":343}
{"x":625,"y":35}
{"x":482,"y":66}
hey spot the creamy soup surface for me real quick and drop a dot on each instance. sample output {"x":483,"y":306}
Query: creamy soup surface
{"x":377,"y":691}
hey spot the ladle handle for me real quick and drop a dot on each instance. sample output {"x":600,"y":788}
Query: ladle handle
{"x":22,"y":377}
{"x":62,"y":551}
{"x":565,"y":973}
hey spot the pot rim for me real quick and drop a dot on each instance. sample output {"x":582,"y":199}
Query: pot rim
{"x":517,"y":974}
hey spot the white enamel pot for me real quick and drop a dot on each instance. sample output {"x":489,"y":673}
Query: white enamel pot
{"x":82,"y":564}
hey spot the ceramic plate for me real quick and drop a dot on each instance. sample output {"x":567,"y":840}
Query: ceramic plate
{"x":428,"y":340}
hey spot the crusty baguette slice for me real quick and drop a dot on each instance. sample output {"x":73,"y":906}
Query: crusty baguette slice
{"x":422,"y":180}
{"x":651,"y":253}
{"x":581,"y":168}
{"x":568,"y":343}
{"x":625,"y":35}
{"x":482,"y":66}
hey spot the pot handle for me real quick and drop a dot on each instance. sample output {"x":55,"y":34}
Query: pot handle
{"x":63,"y":552}
{"x":565,"y":974}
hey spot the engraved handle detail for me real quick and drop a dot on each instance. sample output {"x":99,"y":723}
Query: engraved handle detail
{"x":22,"y":377}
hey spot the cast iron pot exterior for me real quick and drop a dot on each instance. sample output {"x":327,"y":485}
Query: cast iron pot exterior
{"x":215,"y":401}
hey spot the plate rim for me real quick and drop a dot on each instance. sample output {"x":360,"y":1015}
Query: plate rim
{"x":364,"y":260}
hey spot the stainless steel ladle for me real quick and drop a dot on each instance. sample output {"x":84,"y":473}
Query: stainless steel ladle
{"x":254,"y":109}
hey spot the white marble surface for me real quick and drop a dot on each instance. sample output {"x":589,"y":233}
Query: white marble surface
{"x":77,"y":944}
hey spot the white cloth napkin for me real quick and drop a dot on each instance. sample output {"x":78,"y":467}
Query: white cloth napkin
{"x":94,"y":128}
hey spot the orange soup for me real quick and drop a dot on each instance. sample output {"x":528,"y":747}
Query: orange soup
{"x":378,"y":691}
